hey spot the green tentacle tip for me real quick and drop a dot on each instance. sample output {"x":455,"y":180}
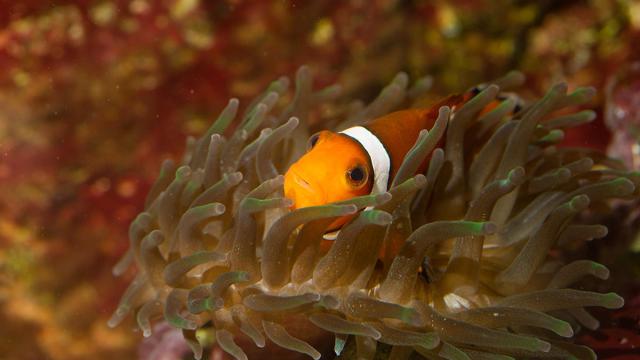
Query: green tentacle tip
{"x":255,"y":119}
{"x":155,"y":238}
{"x":229,"y":112}
{"x":633,"y":176}
{"x":430,"y":341}
{"x":415,"y":182}
{"x":451,"y":352}
{"x":555,"y":135}
{"x":516,"y":176}
{"x":444,"y":111}
{"x":383,"y":198}
{"x":233,"y":178}
{"x":623,"y":186}
{"x":563,"y":173}
{"x":423,"y":135}
{"x":612,"y":301}
{"x":183,"y":172}
{"x":215,"y":139}
{"x":206,"y":208}
{"x":218,"y":208}
{"x":515,"y":76}
{"x":424,"y":81}
{"x":328,"y":302}
{"x":208,"y":304}
{"x":118,"y":315}
{"x":339,"y":345}
{"x":303,"y":73}
{"x":490,"y":91}
{"x":592,"y":354}
{"x":182,"y":323}
{"x":602,"y":232}
{"x":205,"y":336}
{"x":579,"y":203}
{"x":600,"y":271}
{"x":192,"y":185}
{"x":583,"y":94}
{"x":279,"y":85}
{"x":410,"y":316}
{"x":286,"y":202}
{"x":360,"y":201}
{"x":563,"y":328}
{"x":391,"y":90}
{"x":509,"y":104}
{"x":557,"y":89}
{"x":112,"y":323}
{"x":240,"y":276}
{"x":271,"y":98}
{"x":588,"y":115}
{"x":165,"y":167}
{"x":419,"y":181}
{"x":348,"y":209}
{"x":276,"y":181}
{"x":377,"y":217}
{"x":540,"y":345}
{"x":478,"y":227}
{"x":489,"y":228}
{"x":402,"y":79}
{"x":291,"y":124}
{"x":410,"y":182}
{"x":330,"y":91}
{"x":262,"y":204}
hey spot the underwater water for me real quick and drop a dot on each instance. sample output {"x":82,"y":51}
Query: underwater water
{"x":96,"y":95}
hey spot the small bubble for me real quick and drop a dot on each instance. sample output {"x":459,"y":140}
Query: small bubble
{"x":101,"y":186}
{"x":127,"y":188}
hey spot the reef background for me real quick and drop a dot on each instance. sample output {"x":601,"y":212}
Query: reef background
{"x":94,"y":94}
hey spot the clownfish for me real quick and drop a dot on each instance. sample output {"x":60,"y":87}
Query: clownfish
{"x":361,"y":160}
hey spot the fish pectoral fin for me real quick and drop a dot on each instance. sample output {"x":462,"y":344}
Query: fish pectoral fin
{"x":331,"y":235}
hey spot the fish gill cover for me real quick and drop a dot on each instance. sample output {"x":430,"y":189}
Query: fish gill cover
{"x":478,"y":273}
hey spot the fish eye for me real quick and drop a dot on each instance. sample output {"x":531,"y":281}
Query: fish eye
{"x":357,"y":175}
{"x":312,"y":141}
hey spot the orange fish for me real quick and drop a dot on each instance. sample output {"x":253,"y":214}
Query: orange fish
{"x":360,"y":160}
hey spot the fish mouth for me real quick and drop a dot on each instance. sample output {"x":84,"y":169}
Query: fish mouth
{"x":301,"y":191}
{"x":306,"y":194}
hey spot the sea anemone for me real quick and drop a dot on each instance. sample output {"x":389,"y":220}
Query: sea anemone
{"x":477,"y":273}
